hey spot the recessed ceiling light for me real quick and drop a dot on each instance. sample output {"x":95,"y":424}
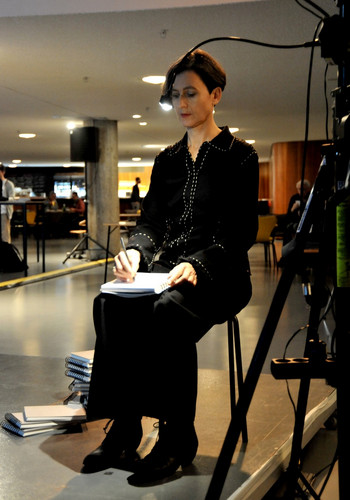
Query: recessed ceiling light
{"x":233,"y":129}
{"x":16,"y":161}
{"x":136,"y":116}
{"x":26,"y":136}
{"x":136,"y":158}
{"x":250,"y":141}
{"x":143,"y":124}
{"x":154,"y":146}
{"x":154,"y":79}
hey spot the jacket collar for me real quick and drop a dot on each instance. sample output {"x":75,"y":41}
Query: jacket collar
{"x":223,"y":141}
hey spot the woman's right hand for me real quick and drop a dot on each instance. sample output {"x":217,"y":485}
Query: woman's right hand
{"x":126,"y":264}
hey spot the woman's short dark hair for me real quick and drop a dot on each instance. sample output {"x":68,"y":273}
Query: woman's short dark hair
{"x":203,"y":64}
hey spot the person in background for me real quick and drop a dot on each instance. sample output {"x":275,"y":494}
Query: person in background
{"x":296,"y":202}
{"x":52,"y":201}
{"x":78,"y":206}
{"x":145,"y":364}
{"x":7,"y":192}
{"x":135,"y":195}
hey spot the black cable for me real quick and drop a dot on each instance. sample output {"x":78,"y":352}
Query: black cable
{"x":254,"y":42}
{"x":314,"y":43}
{"x":317,"y":7}
{"x":329,"y":473}
{"x":307,"y":111}
{"x":308,"y":10}
{"x":326,"y":99}
{"x":292,"y":337}
{"x":166,"y":99}
{"x":291,"y":398}
{"x":284,"y":357}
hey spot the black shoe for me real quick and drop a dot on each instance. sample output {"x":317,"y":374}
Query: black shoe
{"x":99,"y":460}
{"x":117,"y":450}
{"x":169,"y":453}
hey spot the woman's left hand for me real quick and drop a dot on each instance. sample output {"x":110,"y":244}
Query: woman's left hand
{"x":182,"y":272}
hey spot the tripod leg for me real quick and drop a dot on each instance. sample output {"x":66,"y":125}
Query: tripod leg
{"x":249,"y":385}
{"x":77,"y":246}
{"x":239,"y":367}
{"x":293,"y":468}
{"x":99,"y":244}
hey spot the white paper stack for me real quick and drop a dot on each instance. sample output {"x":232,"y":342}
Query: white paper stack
{"x":44,"y":419}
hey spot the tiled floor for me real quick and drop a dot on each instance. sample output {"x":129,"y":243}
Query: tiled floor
{"x":43,"y":321}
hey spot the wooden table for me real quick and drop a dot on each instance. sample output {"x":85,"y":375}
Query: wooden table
{"x":131,"y":215}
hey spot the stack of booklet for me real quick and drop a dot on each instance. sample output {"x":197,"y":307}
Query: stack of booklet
{"x":57,"y":418}
{"x":46,"y":418}
{"x":79,"y":367}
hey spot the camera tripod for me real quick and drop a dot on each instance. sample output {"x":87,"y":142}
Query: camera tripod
{"x":316,"y":365}
{"x":328,"y":207}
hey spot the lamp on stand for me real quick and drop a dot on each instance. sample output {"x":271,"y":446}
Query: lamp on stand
{"x":84,"y":147}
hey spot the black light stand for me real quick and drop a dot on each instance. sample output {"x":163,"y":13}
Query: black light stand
{"x":329,"y":197}
{"x":84,"y":147}
{"x":83,"y":244}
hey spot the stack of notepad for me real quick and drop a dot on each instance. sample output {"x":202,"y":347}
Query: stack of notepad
{"x":57,"y":418}
{"x":79,"y":367}
{"x":44,"y":419}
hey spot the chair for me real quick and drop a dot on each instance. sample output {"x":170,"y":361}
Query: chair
{"x":31,"y":217}
{"x":234,"y":348}
{"x":267,"y":223}
{"x":33,"y":225}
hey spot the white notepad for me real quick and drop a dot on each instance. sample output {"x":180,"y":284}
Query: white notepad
{"x":144,"y":283}
{"x":53,"y":412}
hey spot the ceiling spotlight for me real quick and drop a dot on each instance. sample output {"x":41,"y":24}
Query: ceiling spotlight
{"x":233,"y":130}
{"x":26,"y":136}
{"x":136,"y":116}
{"x":143,"y":124}
{"x":154,"y":79}
{"x":16,"y":161}
{"x":136,"y":158}
{"x":71,"y":125}
{"x":250,"y":141}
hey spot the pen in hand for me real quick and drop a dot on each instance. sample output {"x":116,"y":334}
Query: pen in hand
{"x":124,"y":249}
{"x":126,"y":263}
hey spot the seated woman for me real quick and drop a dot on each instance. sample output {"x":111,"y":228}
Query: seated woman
{"x":198,"y":221}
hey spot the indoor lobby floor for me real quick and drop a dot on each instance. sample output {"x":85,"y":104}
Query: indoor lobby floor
{"x":44,"y":320}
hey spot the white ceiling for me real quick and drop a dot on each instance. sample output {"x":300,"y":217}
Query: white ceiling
{"x":82,"y":59}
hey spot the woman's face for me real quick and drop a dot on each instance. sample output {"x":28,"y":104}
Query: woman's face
{"x":192,"y":101}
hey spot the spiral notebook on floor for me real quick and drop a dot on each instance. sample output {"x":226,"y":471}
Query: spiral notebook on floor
{"x":143,"y":284}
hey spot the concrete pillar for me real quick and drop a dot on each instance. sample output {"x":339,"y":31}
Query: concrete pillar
{"x":102,"y":190}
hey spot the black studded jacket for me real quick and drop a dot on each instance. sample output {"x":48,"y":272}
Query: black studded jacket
{"x":203,"y":211}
